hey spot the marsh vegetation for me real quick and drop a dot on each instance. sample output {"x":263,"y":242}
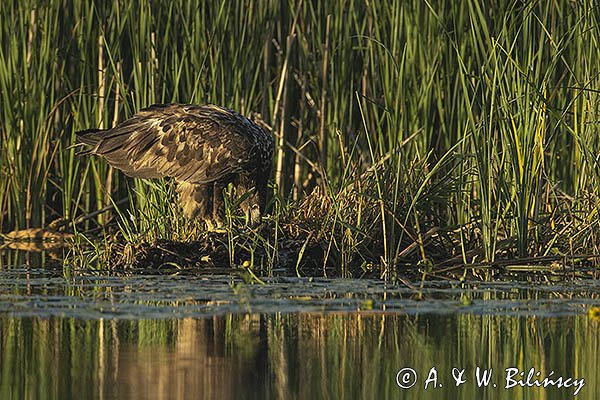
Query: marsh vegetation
{"x":408,"y":132}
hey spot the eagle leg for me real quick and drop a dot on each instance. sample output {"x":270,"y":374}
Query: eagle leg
{"x":196,"y":200}
{"x":218,"y":203}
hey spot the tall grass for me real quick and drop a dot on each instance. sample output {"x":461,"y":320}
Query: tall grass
{"x":432,"y":130}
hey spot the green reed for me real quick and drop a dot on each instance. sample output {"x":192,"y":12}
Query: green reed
{"x":469,"y":127}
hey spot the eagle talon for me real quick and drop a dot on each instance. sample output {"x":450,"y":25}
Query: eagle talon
{"x":213,"y":227}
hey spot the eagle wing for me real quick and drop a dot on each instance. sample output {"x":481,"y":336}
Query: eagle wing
{"x":197,"y":144}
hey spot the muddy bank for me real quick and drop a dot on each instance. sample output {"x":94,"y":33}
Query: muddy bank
{"x":311,"y":258}
{"x":291,"y":252}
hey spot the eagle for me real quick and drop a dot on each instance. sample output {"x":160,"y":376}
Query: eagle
{"x":203,"y":148}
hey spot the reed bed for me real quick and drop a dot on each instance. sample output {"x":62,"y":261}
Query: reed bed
{"x":408,"y":132}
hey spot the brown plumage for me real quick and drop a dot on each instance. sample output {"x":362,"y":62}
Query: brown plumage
{"x":204,"y":148}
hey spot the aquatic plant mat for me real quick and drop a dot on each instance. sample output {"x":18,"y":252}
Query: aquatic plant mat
{"x":139,"y":293}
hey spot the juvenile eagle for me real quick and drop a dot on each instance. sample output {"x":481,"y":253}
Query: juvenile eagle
{"x":204,"y":148}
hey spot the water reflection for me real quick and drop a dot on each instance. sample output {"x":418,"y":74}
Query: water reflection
{"x":157,"y":337}
{"x":290,"y":356}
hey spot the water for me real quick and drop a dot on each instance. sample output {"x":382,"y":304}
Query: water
{"x":102,"y":336}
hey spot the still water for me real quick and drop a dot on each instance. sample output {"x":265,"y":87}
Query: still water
{"x":100,"y":336}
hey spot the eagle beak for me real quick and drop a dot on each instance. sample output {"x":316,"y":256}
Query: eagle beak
{"x":253,"y":216}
